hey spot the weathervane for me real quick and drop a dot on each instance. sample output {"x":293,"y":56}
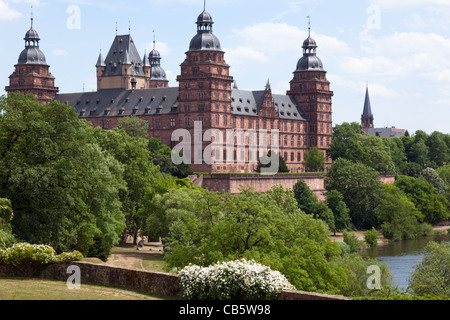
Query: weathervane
{"x":309,"y":25}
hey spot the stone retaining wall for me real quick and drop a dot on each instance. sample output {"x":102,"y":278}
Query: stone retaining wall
{"x":155,"y":283}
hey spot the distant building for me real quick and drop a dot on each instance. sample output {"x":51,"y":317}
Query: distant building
{"x":367,"y":123}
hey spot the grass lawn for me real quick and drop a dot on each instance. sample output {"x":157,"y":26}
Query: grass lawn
{"x":12,"y":288}
{"x":149,"y":258}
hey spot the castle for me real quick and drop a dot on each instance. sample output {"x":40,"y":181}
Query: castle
{"x":206,"y":97}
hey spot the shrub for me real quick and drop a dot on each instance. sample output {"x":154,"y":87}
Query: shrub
{"x":371,"y":237}
{"x":352,"y":241}
{"x":28,"y":259}
{"x":232,"y":280}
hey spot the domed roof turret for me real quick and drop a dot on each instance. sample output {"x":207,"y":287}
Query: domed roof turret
{"x":157,"y":72}
{"x":205,"y":39}
{"x":309,"y":61}
{"x":32,"y":54}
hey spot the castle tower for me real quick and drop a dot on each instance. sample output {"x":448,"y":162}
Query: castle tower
{"x":121,"y":65}
{"x":311,"y":90}
{"x":367,"y":116}
{"x":158,"y":77}
{"x":31,"y":73}
{"x":204,"y":83}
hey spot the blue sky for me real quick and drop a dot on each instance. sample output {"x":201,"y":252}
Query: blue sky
{"x":401,"y":48}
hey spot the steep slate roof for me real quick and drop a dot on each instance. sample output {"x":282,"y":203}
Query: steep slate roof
{"x":119,"y":102}
{"x":123,"y":50}
{"x":249,"y":103}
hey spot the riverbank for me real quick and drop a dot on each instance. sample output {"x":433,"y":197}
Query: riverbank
{"x":381,"y":239}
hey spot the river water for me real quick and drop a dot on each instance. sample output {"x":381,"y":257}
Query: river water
{"x":402,"y":256}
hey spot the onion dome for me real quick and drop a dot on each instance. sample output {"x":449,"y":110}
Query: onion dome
{"x":32,"y":54}
{"x":309,"y":61}
{"x":205,"y":39}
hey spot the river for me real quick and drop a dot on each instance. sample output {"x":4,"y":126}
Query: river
{"x":402,"y":256}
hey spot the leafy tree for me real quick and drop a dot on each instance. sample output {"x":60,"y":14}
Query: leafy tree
{"x":204,"y":227}
{"x":162,"y":157}
{"x":7,"y":238}
{"x":314,"y":159}
{"x":438,"y":151}
{"x":350,"y":142}
{"x":432,"y":206}
{"x":444,"y":174}
{"x":342,"y":220}
{"x":139,"y":172}
{"x":360,"y":188}
{"x":134,"y":126}
{"x":431,"y":176}
{"x":64,"y":189}
{"x":356,"y":275}
{"x":431,"y":275}
{"x":398,"y":215}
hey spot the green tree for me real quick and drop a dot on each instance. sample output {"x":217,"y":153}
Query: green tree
{"x":360,"y":188}
{"x":7,"y":238}
{"x":398,"y":215}
{"x":64,"y":189}
{"x":357,"y":276}
{"x":204,"y":228}
{"x":432,"y":206}
{"x":162,"y":157}
{"x":314,"y":159}
{"x":431,"y":275}
{"x":351,"y":143}
{"x":342,"y":220}
{"x":139,"y":173}
{"x":431,"y":176}
{"x":438,"y":151}
{"x":134,"y":126}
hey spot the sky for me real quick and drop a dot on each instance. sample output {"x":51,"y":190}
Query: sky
{"x":400,"y":49}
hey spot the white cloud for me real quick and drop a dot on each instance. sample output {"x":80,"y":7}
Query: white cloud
{"x":242,"y":54}
{"x":407,"y":54}
{"x":7,"y":13}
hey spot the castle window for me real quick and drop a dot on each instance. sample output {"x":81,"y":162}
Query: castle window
{"x":187,"y":121}
{"x":157,"y":123}
{"x":172,"y":122}
{"x":105,"y":125}
{"x":292,"y":157}
{"x":299,"y":157}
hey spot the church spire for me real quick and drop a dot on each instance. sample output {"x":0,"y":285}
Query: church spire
{"x":367,"y":116}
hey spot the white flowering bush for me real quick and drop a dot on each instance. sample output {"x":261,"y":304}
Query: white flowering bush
{"x":27,"y":258}
{"x":240,"y":279}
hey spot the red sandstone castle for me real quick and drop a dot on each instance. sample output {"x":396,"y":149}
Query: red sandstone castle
{"x":130,"y":86}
